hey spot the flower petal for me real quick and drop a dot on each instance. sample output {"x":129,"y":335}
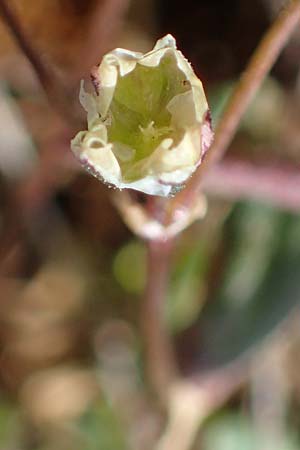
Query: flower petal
{"x":148,"y":126}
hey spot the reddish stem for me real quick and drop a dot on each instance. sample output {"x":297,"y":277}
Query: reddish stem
{"x":57,"y":91}
{"x":160,"y":360}
{"x":274,"y":184}
{"x":258,"y":67}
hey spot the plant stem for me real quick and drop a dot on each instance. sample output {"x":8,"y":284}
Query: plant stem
{"x":56,"y":91}
{"x":13,"y":24}
{"x":278,"y":185}
{"x":250,"y":81}
{"x":160,"y":360}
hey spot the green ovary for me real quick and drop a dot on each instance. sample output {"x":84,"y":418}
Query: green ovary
{"x":138,"y":113}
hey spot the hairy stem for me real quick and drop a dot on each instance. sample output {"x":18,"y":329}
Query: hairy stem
{"x":258,"y":67}
{"x":160,"y":361}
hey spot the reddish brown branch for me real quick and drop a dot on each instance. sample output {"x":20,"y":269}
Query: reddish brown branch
{"x":31,"y":54}
{"x":160,"y":361}
{"x":258,"y":67}
{"x":103,"y":27}
{"x":58,"y":92}
{"x":157,"y":343}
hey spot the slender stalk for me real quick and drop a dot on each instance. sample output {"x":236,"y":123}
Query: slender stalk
{"x":258,"y":67}
{"x":278,"y":185}
{"x":31,"y":54}
{"x":160,"y":361}
{"x":57,"y":92}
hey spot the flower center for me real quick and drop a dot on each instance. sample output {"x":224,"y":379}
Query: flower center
{"x":139,"y":118}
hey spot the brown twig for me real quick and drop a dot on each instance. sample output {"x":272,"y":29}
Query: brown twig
{"x":58,"y":93}
{"x":160,"y":361}
{"x":258,"y":67}
{"x":104,"y":23}
{"x":31,"y":54}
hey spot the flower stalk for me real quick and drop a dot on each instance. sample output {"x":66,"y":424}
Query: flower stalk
{"x":161,"y":367}
{"x":259,"y":65}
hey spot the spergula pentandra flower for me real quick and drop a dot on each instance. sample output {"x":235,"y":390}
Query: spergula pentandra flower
{"x":148,"y":120}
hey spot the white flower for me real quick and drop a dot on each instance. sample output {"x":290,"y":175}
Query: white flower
{"x":148,"y":120}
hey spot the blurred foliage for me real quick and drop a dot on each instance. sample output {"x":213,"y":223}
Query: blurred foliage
{"x":101,"y":429}
{"x":130,"y":267}
{"x":10,"y":429}
{"x":72,"y":276}
{"x":230,"y":431}
{"x":260,"y":281}
{"x":218,"y":95}
{"x":264,"y":118}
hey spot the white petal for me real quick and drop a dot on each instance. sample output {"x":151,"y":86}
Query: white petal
{"x":182,"y":108}
{"x":165,"y":42}
{"x":89,"y":103}
{"x":102,"y":163}
{"x":149,"y":185}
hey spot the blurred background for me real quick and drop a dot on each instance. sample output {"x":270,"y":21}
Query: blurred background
{"x":72,"y":373}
